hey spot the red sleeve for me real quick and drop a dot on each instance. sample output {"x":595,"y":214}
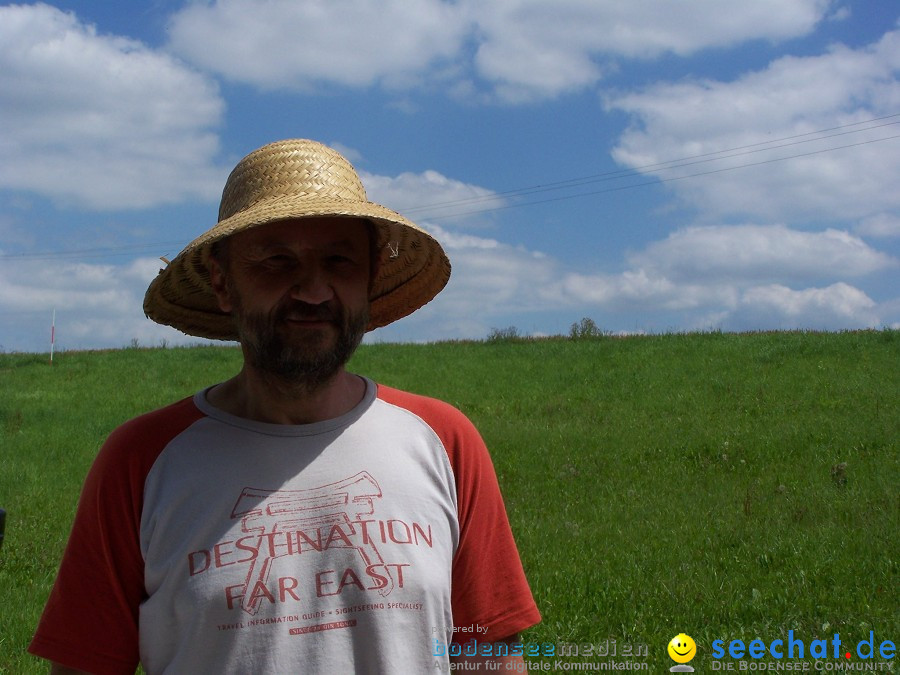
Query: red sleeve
{"x":90,"y":621}
{"x":489,"y":584}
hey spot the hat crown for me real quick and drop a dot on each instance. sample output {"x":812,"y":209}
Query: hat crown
{"x":293,"y":169}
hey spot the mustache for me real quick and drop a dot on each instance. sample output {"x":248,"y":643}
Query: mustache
{"x":297,"y":310}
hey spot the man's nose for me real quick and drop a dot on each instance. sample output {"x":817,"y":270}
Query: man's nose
{"x":311,"y":285}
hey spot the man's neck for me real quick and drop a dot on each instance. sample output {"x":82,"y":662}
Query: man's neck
{"x":254,"y":396}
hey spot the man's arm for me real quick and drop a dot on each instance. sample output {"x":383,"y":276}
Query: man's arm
{"x":478,"y":663}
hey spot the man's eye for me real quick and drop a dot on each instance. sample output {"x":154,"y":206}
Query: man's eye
{"x":279,"y":260}
{"x":340,"y":260}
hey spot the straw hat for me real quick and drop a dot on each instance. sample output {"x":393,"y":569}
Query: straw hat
{"x":298,"y":179}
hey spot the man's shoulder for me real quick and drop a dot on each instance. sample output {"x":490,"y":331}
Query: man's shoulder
{"x":447,"y":421}
{"x":157,"y":427}
{"x":130,"y":451}
{"x":423,"y":406}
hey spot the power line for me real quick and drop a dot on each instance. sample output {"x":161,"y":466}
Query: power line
{"x":656,"y":181}
{"x":668,"y":164}
{"x":691,"y":160}
{"x":100,"y":252}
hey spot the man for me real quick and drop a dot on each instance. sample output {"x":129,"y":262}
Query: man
{"x":296,"y":518}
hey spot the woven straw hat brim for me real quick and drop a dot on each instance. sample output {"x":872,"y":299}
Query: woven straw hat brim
{"x":412,"y":269}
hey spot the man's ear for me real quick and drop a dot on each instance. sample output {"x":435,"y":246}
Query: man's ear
{"x":220,"y":285}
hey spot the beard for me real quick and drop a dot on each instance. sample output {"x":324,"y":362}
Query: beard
{"x":303,"y":360}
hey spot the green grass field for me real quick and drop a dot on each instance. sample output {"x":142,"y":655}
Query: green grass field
{"x":726,"y":486}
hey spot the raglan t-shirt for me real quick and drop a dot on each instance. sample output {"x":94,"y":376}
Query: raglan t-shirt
{"x":205,"y":542}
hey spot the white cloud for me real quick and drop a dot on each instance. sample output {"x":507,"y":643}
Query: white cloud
{"x":96,"y":305}
{"x":790,"y":100}
{"x":431,"y":195}
{"x":641,"y":289}
{"x":840,"y":14}
{"x":760,"y":252}
{"x":490,"y":281}
{"x":99,"y":120}
{"x":535,"y":49}
{"x":880,"y":225}
{"x":727,"y":306}
{"x":518,"y":49}
{"x":838,"y":306}
{"x":284,"y":43}
{"x":736,"y":278}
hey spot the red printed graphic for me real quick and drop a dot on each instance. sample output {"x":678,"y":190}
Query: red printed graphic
{"x":345,"y":504}
{"x":335,"y":530}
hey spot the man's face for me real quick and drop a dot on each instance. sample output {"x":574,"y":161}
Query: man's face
{"x":298,"y":293}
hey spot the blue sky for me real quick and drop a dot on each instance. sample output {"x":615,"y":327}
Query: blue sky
{"x":655,"y":166}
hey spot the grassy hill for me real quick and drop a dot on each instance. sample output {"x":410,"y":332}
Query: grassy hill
{"x":729,"y":486}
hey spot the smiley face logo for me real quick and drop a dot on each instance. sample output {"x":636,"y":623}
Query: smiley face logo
{"x":682,"y":648}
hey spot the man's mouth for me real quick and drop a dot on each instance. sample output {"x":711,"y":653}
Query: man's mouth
{"x":309,"y":315}
{"x":306,"y":319}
